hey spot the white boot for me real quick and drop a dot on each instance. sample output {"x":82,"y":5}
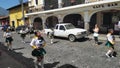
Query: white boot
{"x":42,"y":63}
{"x":51,"y":41}
{"x":108,"y":53}
{"x":11,"y":47}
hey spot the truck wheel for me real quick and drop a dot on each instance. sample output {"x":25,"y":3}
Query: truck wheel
{"x":72,"y":38}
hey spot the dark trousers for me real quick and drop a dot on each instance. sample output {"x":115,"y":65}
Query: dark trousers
{"x":119,"y":32}
{"x":96,"y":40}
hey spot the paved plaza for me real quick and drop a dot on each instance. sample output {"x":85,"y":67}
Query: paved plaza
{"x":62,"y":54}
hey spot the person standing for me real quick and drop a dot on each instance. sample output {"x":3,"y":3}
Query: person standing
{"x":8,"y":39}
{"x":37,"y":44}
{"x":96,"y":30}
{"x":51,"y":35}
{"x":23,"y":34}
{"x":119,"y":28}
{"x":110,"y":43}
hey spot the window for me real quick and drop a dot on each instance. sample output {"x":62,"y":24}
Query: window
{"x":36,"y":1}
{"x":51,"y":4}
{"x":56,"y":27}
{"x":62,"y":28}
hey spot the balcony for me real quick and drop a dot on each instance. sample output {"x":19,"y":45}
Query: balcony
{"x":35,"y":9}
{"x":90,"y":1}
{"x":67,"y":3}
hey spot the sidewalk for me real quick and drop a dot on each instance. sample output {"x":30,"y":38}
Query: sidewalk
{"x":103,"y":37}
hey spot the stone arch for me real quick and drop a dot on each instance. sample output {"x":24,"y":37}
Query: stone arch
{"x":101,"y":10}
{"x":76,"y":19}
{"x":105,"y":19}
{"x":37,"y":23}
{"x":51,"y":22}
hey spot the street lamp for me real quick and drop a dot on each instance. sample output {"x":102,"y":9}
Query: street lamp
{"x":22,"y":8}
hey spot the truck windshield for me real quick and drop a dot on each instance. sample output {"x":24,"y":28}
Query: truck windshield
{"x":69,"y":26}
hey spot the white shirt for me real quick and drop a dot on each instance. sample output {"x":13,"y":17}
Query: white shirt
{"x":96,"y":30}
{"x":109,"y":37}
{"x":22,"y":31}
{"x":8,"y":34}
{"x":36,"y":42}
{"x":119,"y":24}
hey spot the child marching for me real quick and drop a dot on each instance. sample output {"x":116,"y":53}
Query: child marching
{"x":110,"y":44}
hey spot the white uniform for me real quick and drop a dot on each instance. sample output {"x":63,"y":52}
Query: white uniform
{"x":119,"y":24}
{"x":7,"y":34}
{"x":37,"y":42}
{"x":109,"y":37}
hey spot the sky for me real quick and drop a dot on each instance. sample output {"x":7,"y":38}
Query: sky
{"x":9,"y":3}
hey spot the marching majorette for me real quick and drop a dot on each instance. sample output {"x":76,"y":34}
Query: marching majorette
{"x":37,"y":44}
{"x":8,"y":39}
{"x":110,"y":43}
{"x":95,"y":34}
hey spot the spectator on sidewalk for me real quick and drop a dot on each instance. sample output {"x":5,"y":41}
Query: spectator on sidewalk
{"x":95,"y":35}
{"x":23,"y":34}
{"x":119,"y":28}
{"x":37,"y":44}
{"x":110,"y":43}
{"x":8,"y":39}
{"x":51,"y":34}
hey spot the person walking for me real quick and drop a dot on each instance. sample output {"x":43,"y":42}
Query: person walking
{"x":8,"y":39}
{"x":110,"y":44}
{"x":95,"y":35}
{"x":119,"y":28}
{"x":23,"y":34}
{"x":37,"y":44}
{"x":51,"y":34}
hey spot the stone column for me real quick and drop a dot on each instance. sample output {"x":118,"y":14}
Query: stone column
{"x":86,"y":20}
{"x":99,"y":19}
{"x":34,"y":3}
{"x":43,"y":22}
{"x":30,"y":21}
{"x":60,"y":18}
{"x":41,"y":4}
{"x":59,"y":3}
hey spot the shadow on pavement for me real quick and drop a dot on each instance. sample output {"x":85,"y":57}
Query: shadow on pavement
{"x":67,"y":66}
{"x":55,"y":41}
{"x":77,"y":40}
{"x":19,"y":48}
{"x":27,"y":62}
{"x":99,"y":43}
{"x":27,"y":42}
{"x":51,"y":65}
{"x":82,"y":39}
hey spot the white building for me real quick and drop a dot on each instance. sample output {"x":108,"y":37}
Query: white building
{"x":81,"y":13}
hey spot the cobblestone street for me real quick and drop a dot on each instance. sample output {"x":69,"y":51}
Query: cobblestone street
{"x":65,"y":54}
{"x":76,"y":33}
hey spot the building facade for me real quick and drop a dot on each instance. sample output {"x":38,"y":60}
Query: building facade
{"x":16,"y":16}
{"x":81,"y":13}
{"x":4,"y":20}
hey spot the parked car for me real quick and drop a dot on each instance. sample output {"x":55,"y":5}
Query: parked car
{"x":67,"y":30}
{"x":19,"y":28}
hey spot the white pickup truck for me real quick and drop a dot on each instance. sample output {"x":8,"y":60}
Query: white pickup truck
{"x":67,"y":30}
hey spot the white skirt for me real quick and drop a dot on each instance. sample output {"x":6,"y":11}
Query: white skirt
{"x":95,"y":34}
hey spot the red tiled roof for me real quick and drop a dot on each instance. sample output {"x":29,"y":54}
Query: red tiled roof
{"x":2,"y":17}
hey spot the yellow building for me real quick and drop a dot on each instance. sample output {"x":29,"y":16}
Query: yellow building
{"x":16,"y":16}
